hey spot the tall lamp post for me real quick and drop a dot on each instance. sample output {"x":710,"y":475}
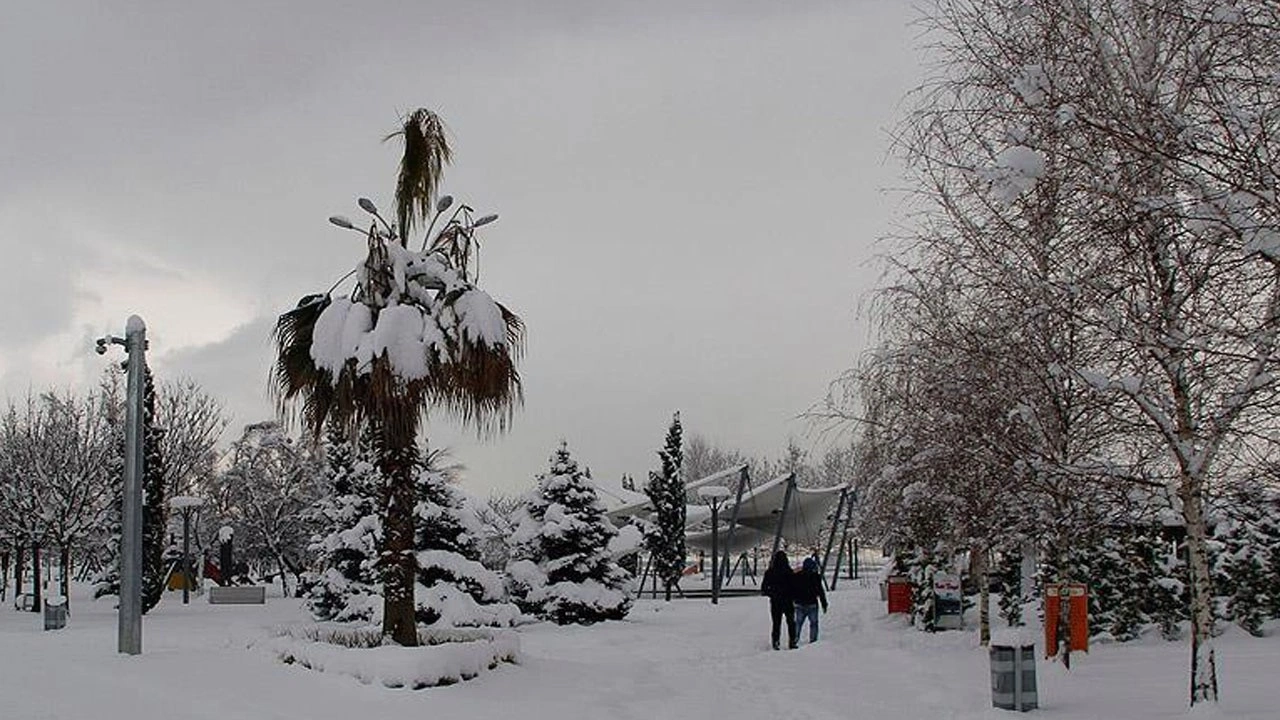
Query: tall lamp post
{"x":129,"y":631}
{"x":186,"y":505}
{"x":713,"y":495}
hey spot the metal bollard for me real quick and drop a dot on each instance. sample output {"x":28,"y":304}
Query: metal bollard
{"x":1013,"y":676}
{"x":55,"y":615}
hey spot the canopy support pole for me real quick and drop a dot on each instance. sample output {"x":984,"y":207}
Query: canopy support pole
{"x":733,"y":520}
{"x":782,"y":514}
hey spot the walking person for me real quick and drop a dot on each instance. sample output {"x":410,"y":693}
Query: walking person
{"x":808,"y":593}
{"x":779,"y":585}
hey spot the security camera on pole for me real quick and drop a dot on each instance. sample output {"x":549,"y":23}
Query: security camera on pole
{"x":129,"y":636}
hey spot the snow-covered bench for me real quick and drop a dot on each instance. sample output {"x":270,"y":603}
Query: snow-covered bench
{"x":238,"y":595}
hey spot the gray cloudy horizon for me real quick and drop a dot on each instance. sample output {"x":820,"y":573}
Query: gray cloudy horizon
{"x":689,"y":196}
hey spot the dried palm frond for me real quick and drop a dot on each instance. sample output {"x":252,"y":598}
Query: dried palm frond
{"x":480,"y":385}
{"x":295,"y":372}
{"x":426,"y":152}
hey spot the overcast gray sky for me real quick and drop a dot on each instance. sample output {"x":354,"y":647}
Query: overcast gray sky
{"x":690,"y":195}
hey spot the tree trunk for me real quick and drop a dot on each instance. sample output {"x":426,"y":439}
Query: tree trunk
{"x":1062,"y":575}
{"x":19,"y":561}
{"x":399,"y":620}
{"x":64,"y":579}
{"x":35,"y":577}
{"x":982,"y":574}
{"x":4,"y":575}
{"x":1204,"y":672}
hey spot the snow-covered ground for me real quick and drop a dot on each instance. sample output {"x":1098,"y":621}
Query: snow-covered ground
{"x":684,"y":659}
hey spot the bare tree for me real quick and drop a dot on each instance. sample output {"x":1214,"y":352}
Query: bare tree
{"x":193,"y":422}
{"x":265,"y":494}
{"x":54,"y":460}
{"x":1101,"y":172}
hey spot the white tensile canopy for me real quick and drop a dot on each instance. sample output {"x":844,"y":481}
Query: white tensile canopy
{"x":756,"y":516}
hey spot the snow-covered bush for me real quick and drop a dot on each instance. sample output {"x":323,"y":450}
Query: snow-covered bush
{"x":564,"y":568}
{"x":446,"y":655}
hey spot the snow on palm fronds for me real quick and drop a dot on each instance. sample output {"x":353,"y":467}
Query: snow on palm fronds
{"x":413,"y":327}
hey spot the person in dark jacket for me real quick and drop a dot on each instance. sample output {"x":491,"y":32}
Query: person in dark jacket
{"x":779,"y":585}
{"x":808,"y":593}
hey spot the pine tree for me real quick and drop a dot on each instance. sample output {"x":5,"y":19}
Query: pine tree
{"x":107,"y":580}
{"x":1166,"y":598}
{"x":920,"y":566}
{"x":1240,"y":565}
{"x":1009,"y":572}
{"x":667,"y":495}
{"x":347,"y":588}
{"x":563,"y":570}
{"x":1269,"y":528}
{"x":1119,"y":570}
{"x":454,"y":588}
{"x":155,"y":508}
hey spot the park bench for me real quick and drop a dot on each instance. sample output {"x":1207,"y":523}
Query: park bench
{"x":238,"y":595}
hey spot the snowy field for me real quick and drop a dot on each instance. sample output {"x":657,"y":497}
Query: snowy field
{"x":684,"y":659}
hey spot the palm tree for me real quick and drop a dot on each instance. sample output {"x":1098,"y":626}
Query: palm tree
{"x":415,"y":334}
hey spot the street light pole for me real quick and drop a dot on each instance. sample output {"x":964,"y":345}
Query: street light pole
{"x":129,"y":630}
{"x":187,"y":506}
{"x":714,"y":495}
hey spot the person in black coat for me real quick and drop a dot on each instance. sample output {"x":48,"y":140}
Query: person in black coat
{"x":779,"y":586}
{"x":808,"y":593}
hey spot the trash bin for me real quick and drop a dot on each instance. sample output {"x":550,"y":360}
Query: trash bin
{"x":1013,"y":671}
{"x":55,"y":613}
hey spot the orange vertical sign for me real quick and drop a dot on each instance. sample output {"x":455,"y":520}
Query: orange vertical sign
{"x":1075,"y":598}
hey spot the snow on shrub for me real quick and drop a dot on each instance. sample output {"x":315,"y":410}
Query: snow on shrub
{"x":445,"y":656}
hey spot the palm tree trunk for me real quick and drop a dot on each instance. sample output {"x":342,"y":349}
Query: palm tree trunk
{"x":399,"y":564}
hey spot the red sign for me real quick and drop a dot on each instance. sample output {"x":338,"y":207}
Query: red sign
{"x":899,"y":594}
{"x":1075,"y":598}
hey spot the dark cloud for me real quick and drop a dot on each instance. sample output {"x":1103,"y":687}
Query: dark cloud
{"x":688,"y":194}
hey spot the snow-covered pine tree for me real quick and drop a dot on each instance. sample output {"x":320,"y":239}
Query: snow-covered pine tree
{"x":920,"y":566}
{"x":155,"y":507}
{"x":1121,"y":570}
{"x":111,"y":403}
{"x":667,"y":495}
{"x":1009,"y":571}
{"x":454,"y":587}
{"x":563,"y":569}
{"x":1242,"y":574}
{"x":348,"y":587}
{"x":1166,"y":599}
{"x":1269,"y":527}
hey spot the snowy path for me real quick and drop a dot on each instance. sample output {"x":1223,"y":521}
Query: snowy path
{"x":684,"y":659}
